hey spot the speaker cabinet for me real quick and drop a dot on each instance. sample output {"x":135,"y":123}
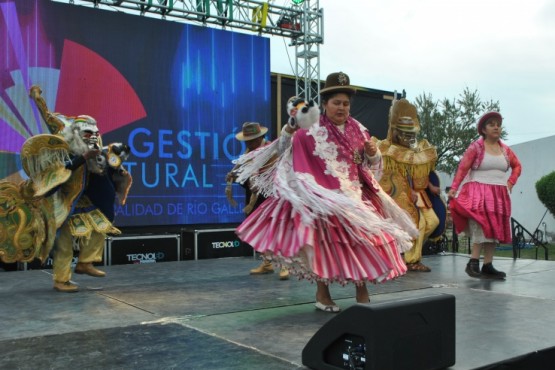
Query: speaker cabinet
{"x":537,"y":360}
{"x":215,"y":243}
{"x":408,"y":334}
{"x":135,"y":249}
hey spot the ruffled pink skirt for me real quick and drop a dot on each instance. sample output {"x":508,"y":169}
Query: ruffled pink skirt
{"x":488,"y":205}
{"x":327,"y":250}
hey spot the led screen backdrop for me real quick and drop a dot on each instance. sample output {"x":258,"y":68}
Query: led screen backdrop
{"x":176,"y":93}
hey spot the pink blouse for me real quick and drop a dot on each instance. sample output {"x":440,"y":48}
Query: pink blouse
{"x":473,"y":157}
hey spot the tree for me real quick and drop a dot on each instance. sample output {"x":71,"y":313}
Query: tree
{"x":544,"y":189}
{"x":450,"y":125}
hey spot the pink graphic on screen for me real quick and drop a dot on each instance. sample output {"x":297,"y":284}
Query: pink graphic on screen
{"x":90,"y":85}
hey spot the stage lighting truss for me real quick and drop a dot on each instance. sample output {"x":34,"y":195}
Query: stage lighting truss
{"x":301,"y":23}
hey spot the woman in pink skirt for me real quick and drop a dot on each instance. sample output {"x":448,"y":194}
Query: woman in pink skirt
{"x":326,"y":217}
{"x":482,"y":207}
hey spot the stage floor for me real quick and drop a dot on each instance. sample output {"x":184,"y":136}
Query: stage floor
{"x":211,"y":314}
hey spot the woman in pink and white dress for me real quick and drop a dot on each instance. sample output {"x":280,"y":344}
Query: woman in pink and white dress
{"x":326,"y":218}
{"x":482,"y":208}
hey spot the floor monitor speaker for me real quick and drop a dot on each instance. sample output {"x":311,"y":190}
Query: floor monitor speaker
{"x":538,"y":360}
{"x":406,"y":334}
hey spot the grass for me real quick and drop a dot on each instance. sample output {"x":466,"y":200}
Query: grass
{"x":529,"y":252}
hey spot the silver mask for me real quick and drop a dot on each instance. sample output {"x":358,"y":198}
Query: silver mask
{"x":88,"y":131}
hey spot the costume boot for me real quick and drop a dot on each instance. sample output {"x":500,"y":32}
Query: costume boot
{"x":88,"y":268}
{"x":66,"y":287}
{"x":418,"y":266}
{"x":489,"y":272}
{"x":264,"y":268}
{"x":284,"y":273}
{"x":473,"y":268}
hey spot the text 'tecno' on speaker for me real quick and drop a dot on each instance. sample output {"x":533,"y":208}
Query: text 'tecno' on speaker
{"x":407,"y":334}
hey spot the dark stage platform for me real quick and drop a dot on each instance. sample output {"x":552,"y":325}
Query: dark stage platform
{"x":211,"y":314}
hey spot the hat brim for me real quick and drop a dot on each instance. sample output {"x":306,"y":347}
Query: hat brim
{"x":485,"y":118}
{"x":338,"y":89}
{"x":410,"y":130}
{"x":241,"y":137}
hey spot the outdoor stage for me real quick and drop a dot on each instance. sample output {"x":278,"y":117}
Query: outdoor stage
{"x":211,"y":314}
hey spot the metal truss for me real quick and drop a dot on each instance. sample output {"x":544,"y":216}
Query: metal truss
{"x":301,"y":23}
{"x":307,"y":52}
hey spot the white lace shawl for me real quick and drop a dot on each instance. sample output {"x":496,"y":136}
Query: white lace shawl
{"x":311,"y":200}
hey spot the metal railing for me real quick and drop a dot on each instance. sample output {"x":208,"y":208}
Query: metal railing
{"x":523,"y":237}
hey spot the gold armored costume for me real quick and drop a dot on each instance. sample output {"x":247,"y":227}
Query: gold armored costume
{"x":407,"y":164}
{"x":53,"y":199}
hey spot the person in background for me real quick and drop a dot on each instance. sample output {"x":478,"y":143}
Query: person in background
{"x":407,"y":164}
{"x":252,"y":134}
{"x":326,"y":217}
{"x":480,"y":203}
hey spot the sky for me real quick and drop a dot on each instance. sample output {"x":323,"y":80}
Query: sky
{"x":503,"y":49}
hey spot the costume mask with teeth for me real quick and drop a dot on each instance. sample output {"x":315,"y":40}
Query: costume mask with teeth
{"x":82,"y":135}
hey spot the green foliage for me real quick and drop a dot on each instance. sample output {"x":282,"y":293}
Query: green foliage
{"x":450,"y":125}
{"x":545,"y":187}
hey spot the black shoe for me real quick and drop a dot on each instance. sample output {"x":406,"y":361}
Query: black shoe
{"x":489,"y":272}
{"x":473,"y":268}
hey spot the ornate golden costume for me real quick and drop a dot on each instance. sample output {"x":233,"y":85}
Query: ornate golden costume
{"x":28,"y":217}
{"x":32,"y":212}
{"x":404,"y":169}
{"x":407,"y":164}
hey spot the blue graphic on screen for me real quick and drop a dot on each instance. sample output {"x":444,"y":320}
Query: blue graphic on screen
{"x":176,"y":93}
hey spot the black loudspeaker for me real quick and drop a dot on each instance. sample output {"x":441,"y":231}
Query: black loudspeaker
{"x":408,"y":334}
{"x":538,"y":360}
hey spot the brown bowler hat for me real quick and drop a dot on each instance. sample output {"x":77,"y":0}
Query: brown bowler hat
{"x":338,"y":82}
{"x":251,"y":130}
